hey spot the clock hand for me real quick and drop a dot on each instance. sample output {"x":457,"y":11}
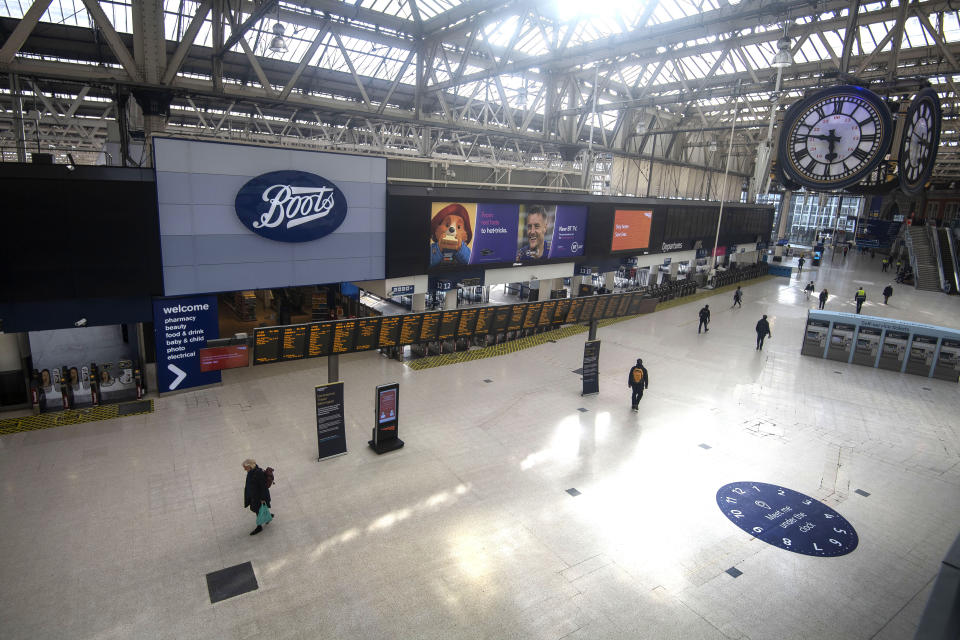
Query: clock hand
{"x":832,"y":140}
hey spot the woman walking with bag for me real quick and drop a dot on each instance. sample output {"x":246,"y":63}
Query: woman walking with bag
{"x":256,"y":494}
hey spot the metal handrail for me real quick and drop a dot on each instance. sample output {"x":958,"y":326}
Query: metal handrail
{"x":935,"y":248}
{"x":954,"y":263}
{"x":912,"y":257}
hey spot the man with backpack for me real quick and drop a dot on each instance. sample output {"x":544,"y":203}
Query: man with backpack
{"x":256,"y":492}
{"x":704,"y":318}
{"x":638,"y":379}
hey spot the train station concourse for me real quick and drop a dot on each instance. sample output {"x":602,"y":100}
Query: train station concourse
{"x":518,"y":508}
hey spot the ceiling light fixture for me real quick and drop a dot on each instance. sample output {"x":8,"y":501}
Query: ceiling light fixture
{"x":277,"y":43}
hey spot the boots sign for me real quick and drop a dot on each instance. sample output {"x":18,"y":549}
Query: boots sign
{"x":291,"y":206}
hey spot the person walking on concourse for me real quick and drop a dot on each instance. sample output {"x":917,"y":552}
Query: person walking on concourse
{"x":256,"y":494}
{"x":763,"y":331}
{"x":860,"y":297}
{"x":887,"y":292}
{"x":800,"y":266}
{"x":704,"y":318}
{"x":737,"y":296}
{"x":638,"y":379}
{"x":823,"y":298}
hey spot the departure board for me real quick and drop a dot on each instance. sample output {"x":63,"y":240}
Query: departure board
{"x":389,"y":331}
{"x":623,"y":303}
{"x":266,"y":345}
{"x":484,"y":320}
{"x":368,"y":334}
{"x":517,"y":313}
{"x":430,"y":328}
{"x":533,"y":314}
{"x":586,"y":312}
{"x":501,"y":318}
{"x":344,"y":334}
{"x":293,"y":341}
{"x":600,"y":310}
{"x":468,"y":320}
{"x":546,"y":314}
{"x":448,"y":324}
{"x":319,"y":339}
{"x":563,"y":308}
{"x":635,"y":300}
{"x":410,"y":328}
{"x":576,"y":306}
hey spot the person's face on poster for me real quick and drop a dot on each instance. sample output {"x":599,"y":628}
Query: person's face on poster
{"x":74,"y":377}
{"x":45,"y":378}
{"x":536,"y":231}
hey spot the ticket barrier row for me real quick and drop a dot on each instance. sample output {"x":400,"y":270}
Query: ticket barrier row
{"x":69,"y":385}
{"x":934,"y":356}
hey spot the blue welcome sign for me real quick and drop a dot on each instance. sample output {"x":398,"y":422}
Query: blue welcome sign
{"x":291,"y":206}
{"x":787,"y":519}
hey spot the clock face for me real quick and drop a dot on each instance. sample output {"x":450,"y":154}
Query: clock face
{"x":834,"y":138}
{"x":921,"y":137}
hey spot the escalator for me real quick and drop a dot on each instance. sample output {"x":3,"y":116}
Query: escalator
{"x":948,"y":260}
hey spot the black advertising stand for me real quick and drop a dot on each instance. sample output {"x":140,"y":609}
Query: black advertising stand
{"x":386,"y":418}
{"x":331,"y":430}
{"x":591,"y":367}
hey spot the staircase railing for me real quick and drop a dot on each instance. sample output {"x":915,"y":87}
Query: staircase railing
{"x":912,"y":258}
{"x":932,"y":236}
{"x":954,"y":263}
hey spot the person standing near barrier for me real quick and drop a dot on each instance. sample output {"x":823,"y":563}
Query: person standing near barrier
{"x":823,"y":298}
{"x":887,"y":292}
{"x":704,"y":318}
{"x":860,"y":297}
{"x":737,"y":296}
{"x":638,"y":379}
{"x":763,"y":331}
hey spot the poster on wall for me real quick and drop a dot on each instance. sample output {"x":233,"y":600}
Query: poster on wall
{"x":181,"y":328}
{"x":491,"y":233}
{"x":631,"y":230}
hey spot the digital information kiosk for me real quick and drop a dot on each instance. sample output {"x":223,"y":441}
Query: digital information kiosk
{"x":385,"y":424}
{"x":883,"y":343}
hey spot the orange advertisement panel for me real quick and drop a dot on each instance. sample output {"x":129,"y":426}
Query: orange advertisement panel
{"x":631,"y":230}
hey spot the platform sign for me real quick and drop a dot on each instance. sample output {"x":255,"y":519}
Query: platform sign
{"x":386,"y":418}
{"x":181,"y":328}
{"x":591,"y":367}
{"x":787,"y":519}
{"x":331,"y":428}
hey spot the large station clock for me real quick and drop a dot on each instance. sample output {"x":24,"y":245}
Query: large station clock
{"x":834,"y":138}
{"x":921,"y":137}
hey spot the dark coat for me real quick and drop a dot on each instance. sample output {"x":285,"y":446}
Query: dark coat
{"x":888,"y":291}
{"x":763,"y":327}
{"x":705,"y":314}
{"x":646,"y":377}
{"x":255,"y":491}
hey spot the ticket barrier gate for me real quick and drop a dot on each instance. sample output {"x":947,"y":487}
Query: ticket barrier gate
{"x":948,"y":362}
{"x":867,"y":347}
{"x":922,"y":351}
{"x":841,"y":342}
{"x":815,"y":338}
{"x":893,"y":351}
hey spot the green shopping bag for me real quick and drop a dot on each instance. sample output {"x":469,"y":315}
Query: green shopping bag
{"x":264,"y":516}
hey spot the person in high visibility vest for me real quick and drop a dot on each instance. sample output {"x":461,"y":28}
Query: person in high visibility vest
{"x":638,"y":379}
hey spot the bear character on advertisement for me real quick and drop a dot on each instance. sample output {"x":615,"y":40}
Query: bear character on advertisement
{"x":450,"y":233}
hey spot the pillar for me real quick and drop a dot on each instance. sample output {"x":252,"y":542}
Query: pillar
{"x":418,"y":302}
{"x":450,"y":300}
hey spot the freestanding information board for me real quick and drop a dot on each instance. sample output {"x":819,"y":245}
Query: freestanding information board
{"x":386,"y":418}
{"x":331,"y":430}
{"x":591,"y":367}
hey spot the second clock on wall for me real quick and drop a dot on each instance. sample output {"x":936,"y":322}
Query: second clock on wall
{"x":834,"y":138}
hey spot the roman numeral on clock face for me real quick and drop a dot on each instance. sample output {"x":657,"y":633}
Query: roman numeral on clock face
{"x":860,"y":154}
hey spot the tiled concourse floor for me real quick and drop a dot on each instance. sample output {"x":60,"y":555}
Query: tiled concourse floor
{"x":468,"y":531}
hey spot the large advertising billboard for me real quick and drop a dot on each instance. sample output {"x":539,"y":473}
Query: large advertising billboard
{"x":472,"y":233}
{"x":631,"y":230}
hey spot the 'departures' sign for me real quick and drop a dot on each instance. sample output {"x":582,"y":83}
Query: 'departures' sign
{"x":291,"y":206}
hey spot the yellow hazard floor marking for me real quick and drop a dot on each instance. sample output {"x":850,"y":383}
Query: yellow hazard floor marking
{"x":519,"y":344}
{"x":68,"y":417}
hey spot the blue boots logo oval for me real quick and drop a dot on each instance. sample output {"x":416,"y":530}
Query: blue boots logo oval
{"x":291,"y":206}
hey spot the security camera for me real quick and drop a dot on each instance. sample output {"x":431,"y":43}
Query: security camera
{"x":82,"y":322}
